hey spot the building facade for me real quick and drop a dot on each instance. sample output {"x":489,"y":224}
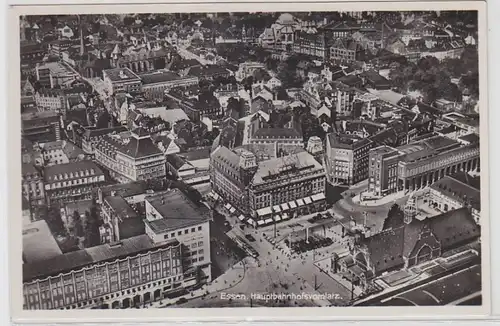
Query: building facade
{"x":145,"y":272}
{"x":33,"y":185}
{"x":118,"y":80}
{"x":171,"y":215}
{"x":419,"y":164}
{"x":72,"y":181}
{"x":41,"y":127}
{"x":346,"y":158}
{"x":154,"y":85}
{"x":269,"y":190}
{"x":130,"y":156}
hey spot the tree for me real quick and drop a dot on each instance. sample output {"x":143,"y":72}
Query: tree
{"x":77,"y":224}
{"x":54,"y":221}
{"x":92,"y":235}
{"x":129,"y":20}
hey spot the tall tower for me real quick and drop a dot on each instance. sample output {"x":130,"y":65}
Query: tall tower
{"x":410,"y":210}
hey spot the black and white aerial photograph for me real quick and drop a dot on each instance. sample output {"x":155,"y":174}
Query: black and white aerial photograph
{"x":250,"y":159}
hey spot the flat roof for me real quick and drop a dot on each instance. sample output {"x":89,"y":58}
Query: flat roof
{"x":121,"y":74}
{"x":38,"y":242}
{"x":176,"y":210}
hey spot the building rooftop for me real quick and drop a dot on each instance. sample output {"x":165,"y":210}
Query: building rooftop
{"x":125,"y":189}
{"x":347,"y":141}
{"x":169,"y":115}
{"x":99,"y":254}
{"x":388,"y":247}
{"x":121,"y":74}
{"x":159,"y":77}
{"x":283,"y":166}
{"x":176,"y":211}
{"x":58,"y":68}
{"x":39,"y":243}
{"x":461,"y":187}
{"x":470,"y":138}
{"x":127,"y":144}
{"x":72,"y":170}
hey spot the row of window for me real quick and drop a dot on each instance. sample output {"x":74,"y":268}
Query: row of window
{"x":185,"y":231}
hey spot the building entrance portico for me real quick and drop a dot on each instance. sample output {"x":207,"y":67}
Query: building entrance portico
{"x":426,"y":179}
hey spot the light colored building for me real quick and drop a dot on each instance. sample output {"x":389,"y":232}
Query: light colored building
{"x":346,"y":158}
{"x":121,"y":79}
{"x":457,"y":191}
{"x":419,"y":164}
{"x":268,"y":190}
{"x":131,"y":156}
{"x":155,"y":84}
{"x":33,"y":185}
{"x":171,"y":215}
{"x":122,"y":275}
{"x":61,"y":152}
{"x":48,"y":99}
{"x":52,"y":74}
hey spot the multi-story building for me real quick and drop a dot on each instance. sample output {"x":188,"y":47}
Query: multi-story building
{"x":271,"y":189}
{"x":457,"y":191}
{"x":346,"y":158}
{"x":141,"y":59}
{"x":32,"y":53}
{"x":345,"y":51}
{"x":121,"y":79}
{"x":312,"y":43}
{"x":61,"y":152}
{"x":343,"y":98}
{"x":72,"y":181}
{"x":154,"y":85}
{"x":419,"y":164}
{"x":49,"y":99}
{"x":118,"y":275}
{"x":58,"y":47}
{"x":91,"y":137}
{"x":130,"y":156}
{"x":247,"y":69}
{"x":33,"y":185}
{"x":287,"y":138}
{"x":120,"y":219}
{"x":172,"y":215}
{"x":41,"y":127}
{"x":52,"y":74}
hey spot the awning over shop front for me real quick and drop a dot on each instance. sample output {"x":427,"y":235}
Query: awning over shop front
{"x":269,"y":221}
{"x":277,"y":218}
{"x":241,"y":217}
{"x":232,"y":210}
{"x":251,"y":222}
{"x":227,"y":206}
{"x":264,"y":211}
{"x":260,"y":222}
{"x":300,"y":202}
{"x":284,"y":207}
{"x":292,"y":205}
{"x":318,"y":197}
{"x":285,"y":216}
{"x":307,"y":200}
{"x":277,"y":208}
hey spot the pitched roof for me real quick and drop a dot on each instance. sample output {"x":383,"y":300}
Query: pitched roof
{"x":129,"y":145}
{"x":125,"y":189}
{"x":388,"y":248}
{"x":99,"y":254}
{"x":71,"y":169}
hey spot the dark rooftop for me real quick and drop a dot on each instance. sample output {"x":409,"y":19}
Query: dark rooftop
{"x":99,"y":254}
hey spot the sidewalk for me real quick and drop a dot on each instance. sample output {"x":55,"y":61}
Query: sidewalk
{"x":378,"y":202}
